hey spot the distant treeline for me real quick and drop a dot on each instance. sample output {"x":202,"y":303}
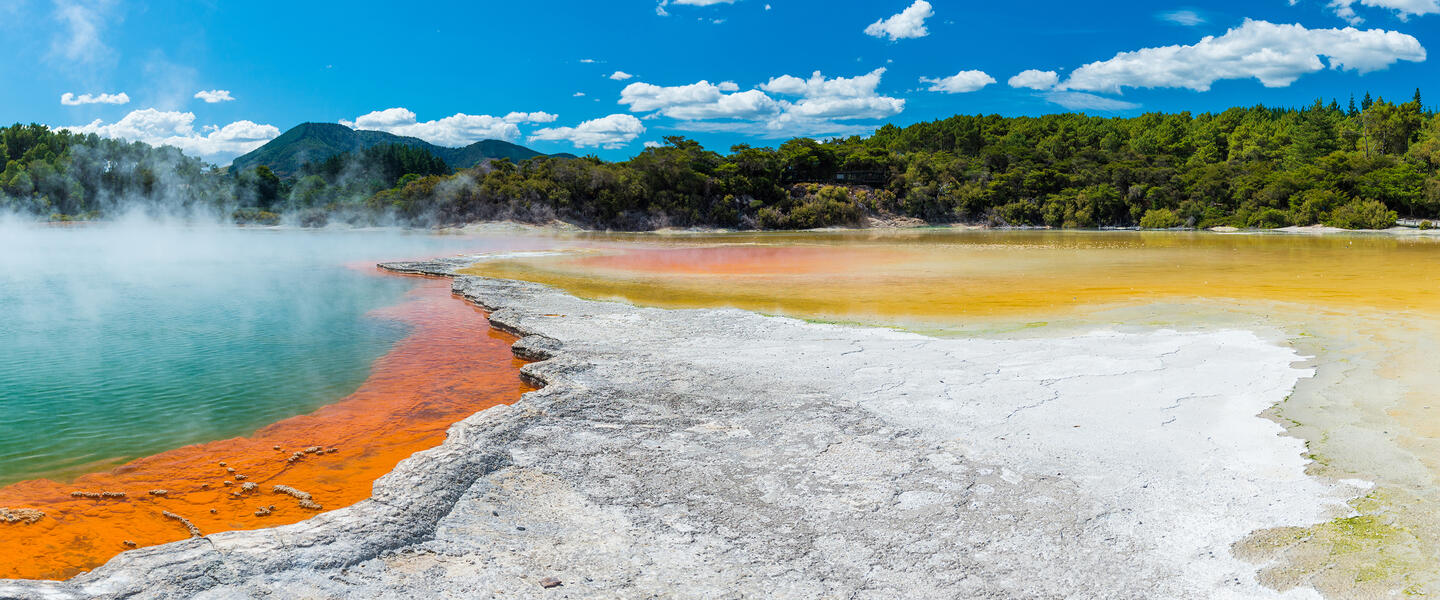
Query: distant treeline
{"x":60,"y":175}
{"x":1358,"y":166}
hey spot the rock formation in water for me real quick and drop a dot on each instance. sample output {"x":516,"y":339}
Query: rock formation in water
{"x":194,"y":531}
{"x":20,"y":515}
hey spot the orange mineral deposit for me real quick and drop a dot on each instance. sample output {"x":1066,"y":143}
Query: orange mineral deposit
{"x":449,"y":367}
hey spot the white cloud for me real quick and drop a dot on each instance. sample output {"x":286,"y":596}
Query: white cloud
{"x":910,"y":23}
{"x":78,"y":38}
{"x":959,"y":83}
{"x":1084,"y":101}
{"x":660,"y":6}
{"x":699,"y":101}
{"x":579,"y":95}
{"x":173,"y":128}
{"x":214,"y":96}
{"x":620,"y":76}
{"x":653,"y":144}
{"x":455,"y":130}
{"x":838,"y":98}
{"x":1276,"y":55}
{"x":817,"y":85}
{"x":1188,"y":18}
{"x":531,"y":117}
{"x":610,"y":132}
{"x":1404,"y":9}
{"x":69,"y":99}
{"x":1034,"y":79}
{"x":816,"y":106}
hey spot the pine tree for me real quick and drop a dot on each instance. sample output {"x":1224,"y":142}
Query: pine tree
{"x":1366,"y":102}
{"x":1352,"y":110}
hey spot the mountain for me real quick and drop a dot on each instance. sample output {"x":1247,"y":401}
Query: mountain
{"x":314,"y":142}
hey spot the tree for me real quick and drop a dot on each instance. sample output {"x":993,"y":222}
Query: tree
{"x":1314,"y":135}
{"x":260,"y":188}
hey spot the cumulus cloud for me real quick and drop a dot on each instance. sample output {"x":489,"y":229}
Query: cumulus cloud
{"x":609,"y":132}
{"x":838,"y":98}
{"x":620,"y":76}
{"x":1276,"y":55}
{"x":699,"y":101}
{"x":455,"y":130}
{"x":1084,"y":101}
{"x":214,"y":96}
{"x":1187,"y":18}
{"x":531,"y":117}
{"x":909,"y":23}
{"x":784,"y":105}
{"x":1034,"y":79}
{"x":69,"y":99}
{"x":959,"y":83}
{"x":1404,"y":9}
{"x":173,"y":128}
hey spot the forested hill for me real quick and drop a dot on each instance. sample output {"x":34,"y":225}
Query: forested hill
{"x":316,"y":142}
{"x":1357,"y":166}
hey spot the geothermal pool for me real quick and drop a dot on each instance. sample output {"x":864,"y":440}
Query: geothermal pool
{"x":142,"y":358}
{"x":165,"y":352}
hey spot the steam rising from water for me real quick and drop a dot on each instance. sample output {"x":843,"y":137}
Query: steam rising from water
{"x":131,"y":337}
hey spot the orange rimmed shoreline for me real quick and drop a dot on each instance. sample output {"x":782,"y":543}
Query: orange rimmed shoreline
{"x":451,"y":365}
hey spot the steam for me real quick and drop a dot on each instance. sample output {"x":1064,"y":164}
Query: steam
{"x":153,"y":330}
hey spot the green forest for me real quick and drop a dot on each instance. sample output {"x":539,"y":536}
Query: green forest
{"x":1358,"y":166}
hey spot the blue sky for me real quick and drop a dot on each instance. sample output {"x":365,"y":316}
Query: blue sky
{"x":218,"y":78}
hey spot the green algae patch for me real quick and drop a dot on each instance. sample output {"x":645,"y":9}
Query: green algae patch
{"x":1373,"y":553}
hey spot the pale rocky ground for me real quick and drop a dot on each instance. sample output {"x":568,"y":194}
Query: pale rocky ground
{"x":724,"y":454}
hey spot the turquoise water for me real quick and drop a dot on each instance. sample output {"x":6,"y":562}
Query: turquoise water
{"x":123,"y":341}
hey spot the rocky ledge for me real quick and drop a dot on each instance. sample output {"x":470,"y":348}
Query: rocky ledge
{"x":724,"y":454}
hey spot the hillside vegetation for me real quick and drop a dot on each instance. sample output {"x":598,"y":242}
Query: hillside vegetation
{"x":1360,"y":166}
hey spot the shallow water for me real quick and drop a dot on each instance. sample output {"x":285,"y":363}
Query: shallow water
{"x":1365,"y":307}
{"x":949,"y":278}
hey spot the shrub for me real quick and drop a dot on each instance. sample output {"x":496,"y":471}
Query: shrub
{"x":1159,"y":218}
{"x":1309,"y":207}
{"x":1268,"y":218}
{"x":1362,"y":214}
{"x":1020,"y":212}
{"x":254,"y":216}
{"x":822,"y":206}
